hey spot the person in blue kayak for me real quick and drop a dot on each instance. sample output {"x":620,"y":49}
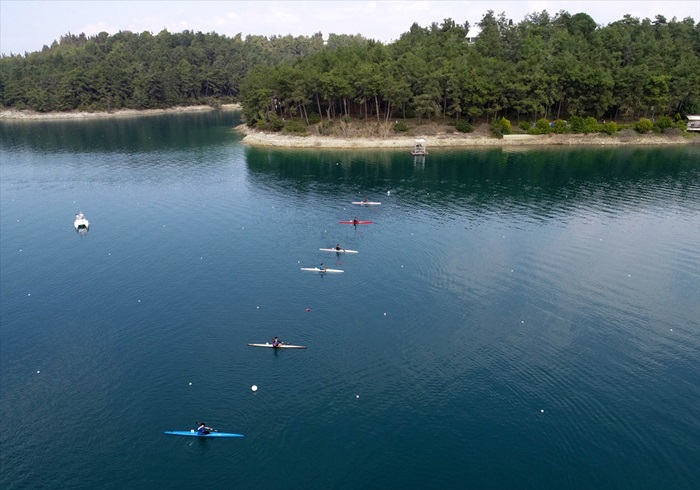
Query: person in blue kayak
{"x":203,"y":429}
{"x":338,"y":247}
{"x":322,"y":267}
{"x":276,"y":342}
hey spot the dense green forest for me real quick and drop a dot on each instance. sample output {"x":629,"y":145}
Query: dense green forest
{"x":542,"y":67}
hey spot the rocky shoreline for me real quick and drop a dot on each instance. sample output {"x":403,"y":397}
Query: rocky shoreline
{"x":457,"y":140}
{"x":15,"y":115}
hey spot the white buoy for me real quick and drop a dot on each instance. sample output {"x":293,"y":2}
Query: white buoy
{"x":384,"y":314}
{"x":38,"y":372}
{"x":190,"y":383}
{"x":254,"y":387}
{"x":541,"y":411}
{"x":356,"y":396}
{"x":388,"y":193}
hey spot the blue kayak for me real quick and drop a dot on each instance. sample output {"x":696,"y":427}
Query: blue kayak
{"x":193,"y":433}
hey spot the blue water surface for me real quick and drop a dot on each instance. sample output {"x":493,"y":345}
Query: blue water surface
{"x":513,"y":319}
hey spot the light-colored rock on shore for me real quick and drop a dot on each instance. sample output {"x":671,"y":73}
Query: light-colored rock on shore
{"x":456,"y":140}
{"x":34,"y":116}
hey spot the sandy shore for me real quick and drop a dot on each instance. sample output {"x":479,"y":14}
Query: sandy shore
{"x":34,"y":116}
{"x":456,"y":140}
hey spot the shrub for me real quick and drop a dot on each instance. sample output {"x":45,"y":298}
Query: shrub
{"x":502,"y":126}
{"x":541,"y":127}
{"x":295,"y":127}
{"x":576,"y":124}
{"x":664,"y":122}
{"x":525,"y":125}
{"x":314,"y":118}
{"x":464,"y":127}
{"x":560,"y":126}
{"x":644,"y":125}
{"x":610,"y":127}
{"x":400,"y":127}
{"x":675,"y":131}
{"x":326,"y":128}
{"x":590,"y":125}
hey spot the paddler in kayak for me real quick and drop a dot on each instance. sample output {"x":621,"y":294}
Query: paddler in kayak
{"x":339,"y":248}
{"x":203,"y":429}
{"x":355,"y":221}
{"x":322,"y":267}
{"x":276,"y":342}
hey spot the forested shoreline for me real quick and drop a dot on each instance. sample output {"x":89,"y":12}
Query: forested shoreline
{"x":544,"y":67}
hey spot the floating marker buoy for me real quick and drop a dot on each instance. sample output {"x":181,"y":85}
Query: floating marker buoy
{"x":258,"y":307}
{"x":384,"y":314}
{"x":541,"y":411}
{"x":254,"y":387}
{"x":38,"y":372}
{"x":190,"y":383}
{"x":357,"y":396}
{"x":308,"y":310}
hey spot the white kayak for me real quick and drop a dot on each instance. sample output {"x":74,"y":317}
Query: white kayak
{"x":341,"y":251}
{"x":316,"y":269}
{"x":367,"y":203}
{"x":280,"y":346}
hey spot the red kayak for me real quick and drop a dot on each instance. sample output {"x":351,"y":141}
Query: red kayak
{"x":359,"y":222}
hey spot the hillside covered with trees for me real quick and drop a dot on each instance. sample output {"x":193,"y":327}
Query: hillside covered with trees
{"x":542,"y":67}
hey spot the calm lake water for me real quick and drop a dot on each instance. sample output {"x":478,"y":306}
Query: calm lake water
{"x":513,"y":319}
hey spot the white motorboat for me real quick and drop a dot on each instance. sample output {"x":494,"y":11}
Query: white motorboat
{"x":81,"y":222}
